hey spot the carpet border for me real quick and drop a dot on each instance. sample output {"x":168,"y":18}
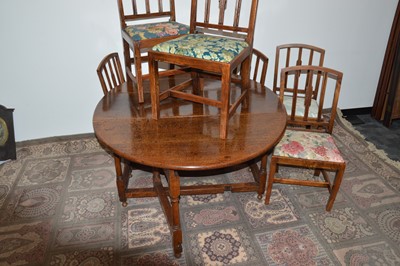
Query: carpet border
{"x":53,"y":139}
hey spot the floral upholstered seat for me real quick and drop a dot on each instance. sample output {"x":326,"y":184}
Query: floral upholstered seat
{"x":300,"y":108}
{"x":156,"y":30}
{"x":308,"y":145}
{"x":202,"y":46}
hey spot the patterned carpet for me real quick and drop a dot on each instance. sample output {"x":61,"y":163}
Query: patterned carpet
{"x":59,"y":206}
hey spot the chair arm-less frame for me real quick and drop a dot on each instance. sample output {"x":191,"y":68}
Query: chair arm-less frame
{"x":216,"y":48}
{"x":308,"y":143}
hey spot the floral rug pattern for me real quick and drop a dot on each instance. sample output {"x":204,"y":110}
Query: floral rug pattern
{"x":59,"y":206}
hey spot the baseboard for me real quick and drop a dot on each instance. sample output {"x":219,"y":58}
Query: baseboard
{"x":357,"y":111}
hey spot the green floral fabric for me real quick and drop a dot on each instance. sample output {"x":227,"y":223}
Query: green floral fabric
{"x":202,"y":46}
{"x":156,"y":30}
{"x":308,"y":145}
{"x":300,"y":108}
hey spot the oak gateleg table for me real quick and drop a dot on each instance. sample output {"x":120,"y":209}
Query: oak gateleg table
{"x":186,"y":139}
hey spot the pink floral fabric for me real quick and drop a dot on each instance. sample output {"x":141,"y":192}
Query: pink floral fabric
{"x":156,"y":30}
{"x":308,"y":145}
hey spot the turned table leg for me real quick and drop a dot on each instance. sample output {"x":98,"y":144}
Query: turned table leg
{"x":174,"y":192}
{"x":263,"y":176}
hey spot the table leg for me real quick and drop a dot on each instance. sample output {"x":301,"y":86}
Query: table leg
{"x":169,"y":200}
{"x":122,"y":180}
{"x":174,"y":192}
{"x":263,"y":176}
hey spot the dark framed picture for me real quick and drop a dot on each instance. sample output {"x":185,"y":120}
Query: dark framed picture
{"x":7,"y":137}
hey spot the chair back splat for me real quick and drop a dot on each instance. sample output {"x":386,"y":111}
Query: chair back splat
{"x":307,"y":142}
{"x":299,"y":85}
{"x":223,"y":17}
{"x":260,"y":67}
{"x":296,"y":54}
{"x":156,"y":10}
{"x":259,"y":70}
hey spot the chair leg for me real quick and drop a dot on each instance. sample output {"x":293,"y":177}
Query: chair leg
{"x":317,"y":172}
{"x":335,"y":188}
{"x":245,"y":80}
{"x":263,"y":176}
{"x":127,"y":59}
{"x":195,"y":83}
{"x":197,"y":88}
{"x":272,"y":170}
{"x":225,"y":95}
{"x":171,"y":78}
{"x":138,"y":70}
{"x":154,"y":88}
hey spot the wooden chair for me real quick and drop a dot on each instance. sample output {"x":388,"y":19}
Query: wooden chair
{"x":142,"y":26}
{"x":260,"y":67}
{"x":309,"y":144}
{"x":259,"y":72}
{"x":215,"y":45}
{"x":297,"y":54}
{"x":111,"y":75}
{"x":110,"y":72}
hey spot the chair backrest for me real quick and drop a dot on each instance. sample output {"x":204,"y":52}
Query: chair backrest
{"x":110,"y":72}
{"x":260,"y":66}
{"x":296,"y":54}
{"x":329,"y":82}
{"x":230,"y":18}
{"x":131,"y":11}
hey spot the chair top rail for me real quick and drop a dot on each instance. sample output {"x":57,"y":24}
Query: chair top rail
{"x":221,"y":27}
{"x":301,"y":45}
{"x":146,"y":16}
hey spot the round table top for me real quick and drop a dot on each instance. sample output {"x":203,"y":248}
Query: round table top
{"x":186,"y":137}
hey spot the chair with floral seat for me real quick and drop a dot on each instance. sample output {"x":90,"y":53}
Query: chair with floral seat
{"x":142,"y":26}
{"x":296,"y":54}
{"x":219,"y":41}
{"x":310,"y":144}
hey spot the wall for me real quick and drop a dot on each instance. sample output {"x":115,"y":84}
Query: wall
{"x":50,"y":49}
